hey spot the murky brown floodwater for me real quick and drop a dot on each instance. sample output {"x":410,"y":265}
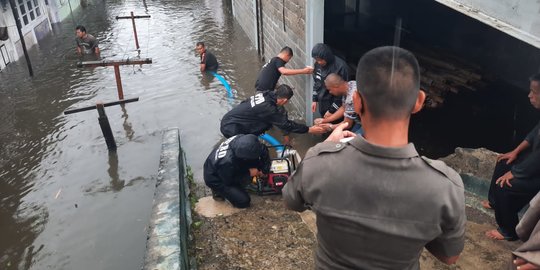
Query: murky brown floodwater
{"x":65,"y":203}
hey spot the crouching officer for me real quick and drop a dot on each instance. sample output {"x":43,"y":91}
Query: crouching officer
{"x":232,"y":164}
{"x":258,"y":113}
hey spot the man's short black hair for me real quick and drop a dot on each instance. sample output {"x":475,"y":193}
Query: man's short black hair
{"x":535,"y":77}
{"x":284,"y":91}
{"x":200,"y":43}
{"x":388,"y":79}
{"x":288,"y":50}
{"x":81,"y":28}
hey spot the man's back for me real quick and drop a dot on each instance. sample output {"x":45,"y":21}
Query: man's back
{"x":250,"y":116}
{"x":269,"y":75}
{"x":377,"y":207}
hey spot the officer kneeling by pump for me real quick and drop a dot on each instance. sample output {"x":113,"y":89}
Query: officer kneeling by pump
{"x":232,"y":164}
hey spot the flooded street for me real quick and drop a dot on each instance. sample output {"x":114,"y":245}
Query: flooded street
{"x":65,"y":202}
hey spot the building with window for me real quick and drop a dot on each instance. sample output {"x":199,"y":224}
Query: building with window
{"x":36,"y":17}
{"x":35,"y":24}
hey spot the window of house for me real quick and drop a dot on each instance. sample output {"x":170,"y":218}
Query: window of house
{"x":28,"y":10}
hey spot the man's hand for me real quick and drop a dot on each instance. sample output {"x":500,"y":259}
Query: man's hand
{"x":318,"y":121}
{"x":524,"y":265}
{"x":510,"y":157}
{"x":308,"y":70}
{"x":286,"y":139}
{"x":327,"y":114}
{"x":317,"y":130}
{"x":328,"y":127}
{"x":255,"y":172}
{"x":313,"y":106}
{"x":505,"y":179}
{"x":339,"y":134}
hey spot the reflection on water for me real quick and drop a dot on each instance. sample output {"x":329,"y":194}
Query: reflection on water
{"x":65,"y":201}
{"x":127,"y":125}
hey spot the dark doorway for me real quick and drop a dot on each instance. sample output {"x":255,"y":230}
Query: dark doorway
{"x":476,"y":76}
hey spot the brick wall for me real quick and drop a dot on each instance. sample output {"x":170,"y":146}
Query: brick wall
{"x":289,"y":32}
{"x":280,"y":32}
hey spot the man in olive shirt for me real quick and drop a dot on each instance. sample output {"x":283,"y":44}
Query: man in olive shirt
{"x":86,"y":43}
{"x":377,"y":202}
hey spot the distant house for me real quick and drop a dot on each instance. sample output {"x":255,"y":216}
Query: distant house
{"x":36,"y":17}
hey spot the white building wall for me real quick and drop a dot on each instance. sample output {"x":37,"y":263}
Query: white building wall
{"x":32,"y":31}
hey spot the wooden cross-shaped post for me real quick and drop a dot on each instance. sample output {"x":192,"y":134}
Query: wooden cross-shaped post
{"x":103,"y":120}
{"x":116,"y":64}
{"x":133,"y":17}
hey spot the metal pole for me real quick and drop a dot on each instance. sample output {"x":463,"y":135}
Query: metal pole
{"x":135,"y":30}
{"x":105,"y":127}
{"x":118,"y":82}
{"x":23,"y":43}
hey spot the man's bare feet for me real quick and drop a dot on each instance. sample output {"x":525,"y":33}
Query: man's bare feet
{"x":486,"y":204}
{"x":496,"y":235}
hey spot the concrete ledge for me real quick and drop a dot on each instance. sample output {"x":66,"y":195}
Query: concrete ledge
{"x":171,"y":213}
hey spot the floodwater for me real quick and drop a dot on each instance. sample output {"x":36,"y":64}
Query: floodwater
{"x":65,"y":202}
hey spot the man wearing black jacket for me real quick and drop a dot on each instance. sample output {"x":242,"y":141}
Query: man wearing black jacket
{"x":230,"y":166}
{"x":258,"y":113}
{"x":325,"y":63}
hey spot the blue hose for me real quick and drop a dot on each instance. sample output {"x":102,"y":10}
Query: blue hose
{"x":225,"y":83}
{"x":272,"y":141}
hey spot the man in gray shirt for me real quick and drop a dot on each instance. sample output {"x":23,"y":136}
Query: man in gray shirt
{"x":377,"y":202}
{"x":86,"y":43}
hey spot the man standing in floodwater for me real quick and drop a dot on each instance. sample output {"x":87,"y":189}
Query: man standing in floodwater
{"x":208,"y":60}
{"x":378,"y":203}
{"x":86,"y":43}
{"x":272,"y":71}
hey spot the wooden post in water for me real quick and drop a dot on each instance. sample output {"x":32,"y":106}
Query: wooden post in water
{"x":105,"y":127}
{"x":133,"y":17}
{"x":116,"y":64}
{"x":103,"y":120}
{"x":118,"y":82}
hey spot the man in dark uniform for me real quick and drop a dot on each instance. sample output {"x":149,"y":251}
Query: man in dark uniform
{"x":325,"y":63}
{"x":377,"y":202}
{"x":516,"y":178}
{"x":208,"y":60}
{"x":86,"y":43}
{"x":258,"y":113}
{"x":272,"y":71}
{"x":229,"y":167}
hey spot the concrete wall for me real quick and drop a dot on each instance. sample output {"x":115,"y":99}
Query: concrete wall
{"x":522,"y":15}
{"x":60,"y":10}
{"x":244,"y":13}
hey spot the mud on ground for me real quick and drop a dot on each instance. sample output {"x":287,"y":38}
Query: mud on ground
{"x":264,"y":236}
{"x":268,"y":236}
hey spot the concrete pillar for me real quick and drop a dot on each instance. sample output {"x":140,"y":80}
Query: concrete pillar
{"x":314,"y":35}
